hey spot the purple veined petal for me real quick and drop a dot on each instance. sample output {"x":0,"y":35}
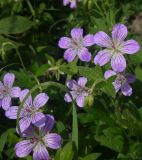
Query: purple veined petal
{"x":109,"y":73}
{"x":40,"y":152}
{"x":66,"y":2}
{"x":67,"y":98}
{"x":130,"y":47}
{"x":118,"y":62}
{"x":23,"y":148}
{"x":25,"y":123}
{"x":15,"y":92}
{"x":23,"y":93}
{"x":130,"y":78}
{"x":102,"y":39}
{"x":80,"y":101}
{"x":117,"y":85}
{"x":0,"y":102}
{"x":72,"y":84}
{"x":49,"y":123}
{"x":84,"y":54}
{"x":74,"y":94}
{"x":6,"y":102}
{"x":38,"y":119}
{"x":29,"y":132}
{"x":126,"y":89}
{"x":119,"y":33}
{"x":52,"y":140}
{"x":9,"y":79}
{"x":103,"y":57}
{"x":77,"y":34}
{"x":11,"y":113}
{"x":73,"y":4}
{"x":69,"y":54}
{"x":82,"y":81}
{"x":88,"y":40}
{"x":65,"y":43}
{"x":40,"y":100}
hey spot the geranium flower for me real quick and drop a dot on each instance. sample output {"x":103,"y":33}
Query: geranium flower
{"x":30,"y":112}
{"x":76,"y":45}
{"x":7,"y":91}
{"x":116,"y":47}
{"x":122,"y":81}
{"x":73,"y":3}
{"x":78,"y":91}
{"x":38,"y":140}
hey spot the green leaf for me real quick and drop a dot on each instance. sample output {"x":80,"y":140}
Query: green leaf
{"x":92,"y":156}
{"x":138,"y":73}
{"x":14,"y":25}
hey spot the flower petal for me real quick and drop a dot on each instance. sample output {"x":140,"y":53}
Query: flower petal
{"x":65,"y":42}
{"x":67,"y":98}
{"x":119,"y":33}
{"x":25,"y":123}
{"x":126,"y":89}
{"x":118,"y":62}
{"x":73,"y":4}
{"x":88,"y":40}
{"x":102,"y":39}
{"x":130,"y":78}
{"x":109,"y":73}
{"x":38,"y":119}
{"x":84,"y":54}
{"x":130,"y":47}
{"x":116,"y":85}
{"x":103,"y":57}
{"x":77,"y":34}
{"x":6,"y":102}
{"x":40,"y":100}
{"x":15,"y":92}
{"x":9,"y":79}
{"x":66,"y":2}
{"x":49,"y":123}
{"x":11,"y":113}
{"x":82,"y":81}
{"x":69,"y":54}
{"x":80,"y":101}
{"x":23,"y":148}
{"x":23,"y":93}
{"x":40,"y":152}
{"x":72,"y":84}
{"x":52,"y":140}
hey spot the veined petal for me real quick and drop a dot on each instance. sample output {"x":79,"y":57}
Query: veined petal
{"x":80,"y":101}
{"x":116,"y":85}
{"x":11,"y":113}
{"x":130,"y":78}
{"x":40,"y":100}
{"x":15,"y":92}
{"x":109,"y":74}
{"x":25,"y":123}
{"x":38,"y":119}
{"x":126,"y":89}
{"x":9,"y":79}
{"x":102,"y":39}
{"x":118,"y":62}
{"x":23,"y":148}
{"x":119,"y":33}
{"x":73,"y":4}
{"x":66,"y":2}
{"x":103,"y":57}
{"x":6,"y":102}
{"x":65,"y":42}
{"x":0,"y":102}
{"x":40,"y":152}
{"x":84,"y":54}
{"x":130,"y":47}
{"x":23,"y":93}
{"x":88,"y":40}
{"x":52,"y":140}
{"x":77,"y":34}
{"x":69,"y":54}
{"x":67,"y":98}
{"x":82,"y":81}
{"x":72,"y":84}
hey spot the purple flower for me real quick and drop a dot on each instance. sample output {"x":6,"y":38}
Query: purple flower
{"x":7,"y":91}
{"x":30,"y":112}
{"x":73,"y":3}
{"x":37,"y":140}
{"x":116,"y":47}
{"x":76,"y":45}
{"x":122,"y":81}
{"x":78,"y":91}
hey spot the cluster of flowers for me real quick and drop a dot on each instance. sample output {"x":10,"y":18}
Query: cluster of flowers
{"x":34,"y":125}
{"x":115,"y":49}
